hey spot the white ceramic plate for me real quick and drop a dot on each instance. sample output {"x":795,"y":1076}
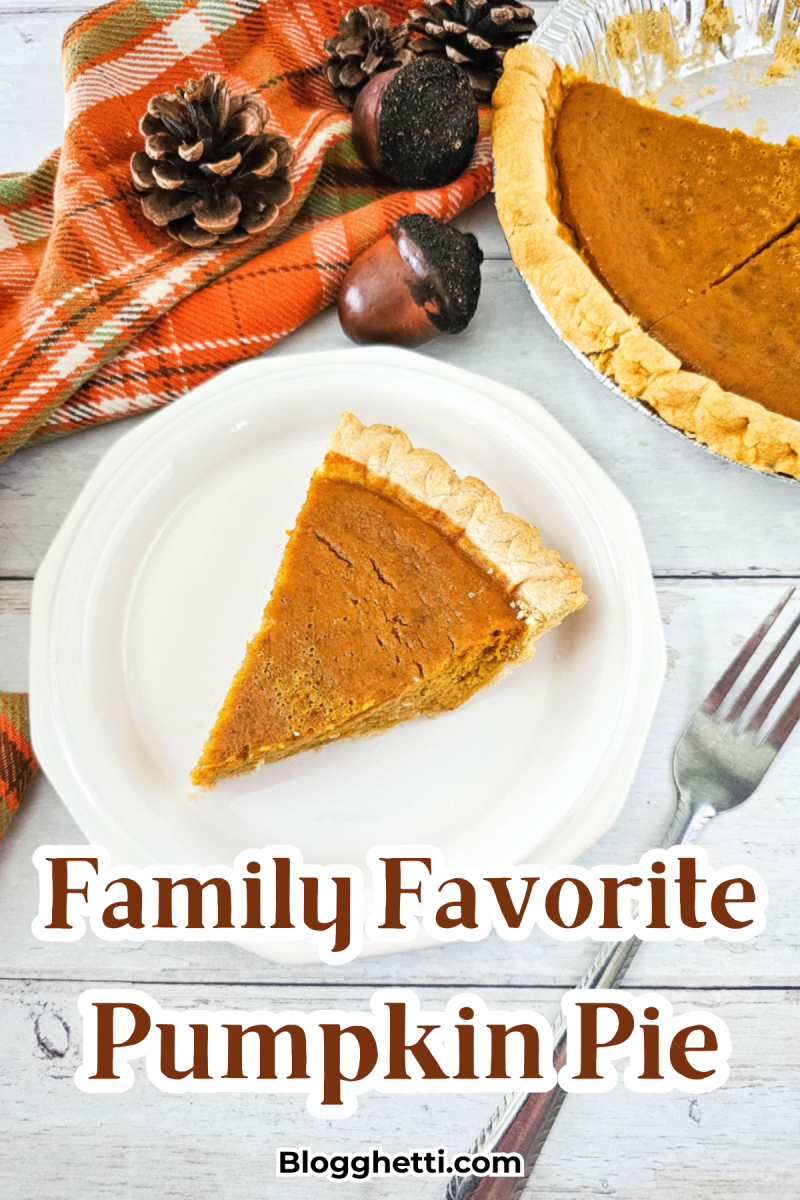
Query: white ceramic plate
{"x":144,"y":604}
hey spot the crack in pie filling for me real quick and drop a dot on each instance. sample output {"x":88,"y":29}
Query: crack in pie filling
{"x":403,"y":590}
{"x":664,"y":249}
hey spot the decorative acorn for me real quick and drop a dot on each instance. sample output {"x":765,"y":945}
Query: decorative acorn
{"x":417,"y":125}
{"x":423,"y":278}
{"x":473,"y":34}
{"x":210,"y":172}
{"x":364,"y":45}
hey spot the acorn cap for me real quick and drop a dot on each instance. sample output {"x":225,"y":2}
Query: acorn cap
{"x":447,"y":266}
{"x":428,"y":124}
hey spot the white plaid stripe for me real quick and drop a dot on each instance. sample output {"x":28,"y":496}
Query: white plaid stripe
{"x":181,"y":38}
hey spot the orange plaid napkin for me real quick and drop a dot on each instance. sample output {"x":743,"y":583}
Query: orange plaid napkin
{"x":101,"y":314}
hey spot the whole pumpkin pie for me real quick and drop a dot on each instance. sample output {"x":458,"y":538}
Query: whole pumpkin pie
{"x":402,"y":591}
{"x":664,"y":249}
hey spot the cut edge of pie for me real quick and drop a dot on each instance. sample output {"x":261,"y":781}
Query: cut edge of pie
{"x":527,"y":102}
{"x":538,"y":586}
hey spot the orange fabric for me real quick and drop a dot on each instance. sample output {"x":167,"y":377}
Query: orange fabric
{"x":101,"y":313}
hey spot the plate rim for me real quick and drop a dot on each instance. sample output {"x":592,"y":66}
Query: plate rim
{"x":628,"y":542}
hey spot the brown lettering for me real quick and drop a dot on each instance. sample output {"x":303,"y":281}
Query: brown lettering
{"x":341,"y":915}
{"x":589,"y":1045}
{"x":59,"y":874}
{"x":511,"y":916}
{"x":194,"y":902}
{"x":105,"y":1035}
{"x":687,"y":882}
{"x":720,"y":901}
{"x":678,"y":1051}
{"x":465,"y":904}
{"x":652,"y":1047}
{"x":658,"y":899}
{"x":252,"y":892}
{"x":498,"y":1065}
{"x":266,"y":1048}
{"x":132,"y":905}
{"x":332,"y":1059}
{"x":283,"y":893}
{"x":393,"y":876}
{"x":199,"y":1067}
{"x":611,"y":888}
{"x":466,"y":1046}
{"x":398,"y":1048}
{"x":552,"y":903}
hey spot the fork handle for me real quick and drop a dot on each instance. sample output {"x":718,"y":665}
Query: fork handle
{"x":519,"y":1126}
{"x":687,"y":822}
{"x":521,"y":1123}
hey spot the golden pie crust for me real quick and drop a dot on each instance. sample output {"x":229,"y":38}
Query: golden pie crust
{"x":527,"y":102}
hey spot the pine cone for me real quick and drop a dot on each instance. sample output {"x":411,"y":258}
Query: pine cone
{"x":210,"y":172}
{"x":473,"y":34}
{"x":365,"y":43}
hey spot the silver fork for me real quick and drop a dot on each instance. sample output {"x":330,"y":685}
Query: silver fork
{"x":718,"y":763}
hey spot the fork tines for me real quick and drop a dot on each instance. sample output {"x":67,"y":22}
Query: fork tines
{"x":722,"y":688}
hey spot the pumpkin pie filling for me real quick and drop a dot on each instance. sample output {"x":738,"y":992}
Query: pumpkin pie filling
{"x":743,"y":331}
{"x":381,"y":610}
{"x":638,"y":233}
{"x":693,"y":235}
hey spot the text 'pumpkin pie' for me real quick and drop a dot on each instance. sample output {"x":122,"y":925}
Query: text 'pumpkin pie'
{"x":664,"y":249}
{"x":402,"y":591}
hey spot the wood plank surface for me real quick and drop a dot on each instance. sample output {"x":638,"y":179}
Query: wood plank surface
{"x":144,"y":1143}
{"x":722,"y":541}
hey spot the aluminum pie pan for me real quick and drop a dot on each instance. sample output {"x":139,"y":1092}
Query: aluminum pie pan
{"x":669,"y":57}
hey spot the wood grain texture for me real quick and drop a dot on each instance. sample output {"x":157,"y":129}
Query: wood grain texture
{"x":702,"y":518}
{"x":31,"y":93}
{"x":144,"y":1143}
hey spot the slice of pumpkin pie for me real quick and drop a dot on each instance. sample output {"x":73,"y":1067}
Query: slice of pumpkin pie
{"x":402,"y":591}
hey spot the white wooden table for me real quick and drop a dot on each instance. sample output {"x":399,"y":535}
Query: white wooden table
{"x":723,"y":544}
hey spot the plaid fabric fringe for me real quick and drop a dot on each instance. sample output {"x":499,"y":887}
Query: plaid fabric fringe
{"x":17,"y":763}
